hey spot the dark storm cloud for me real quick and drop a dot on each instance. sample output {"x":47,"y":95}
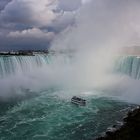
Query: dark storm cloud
{"x":3,"y":3}
{"x":31,"y":12}
{"x":22,"y":22}
{"x":69,"y":5}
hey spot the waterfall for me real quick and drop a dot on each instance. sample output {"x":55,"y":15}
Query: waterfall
{"x":10,"y":65}
{"x":45,"y":71}
{"x":129,"y":65}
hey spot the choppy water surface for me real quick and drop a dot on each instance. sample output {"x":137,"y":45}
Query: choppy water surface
{"x":51,"y":116}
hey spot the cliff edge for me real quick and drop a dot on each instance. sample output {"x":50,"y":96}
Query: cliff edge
{"x":130,"y":130}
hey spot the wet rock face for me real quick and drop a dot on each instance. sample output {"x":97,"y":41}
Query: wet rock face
{"x":130,"y":130}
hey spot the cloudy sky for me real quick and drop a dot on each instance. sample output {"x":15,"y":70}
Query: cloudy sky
{"x":35,"y":24}
{"x":26,"y":24}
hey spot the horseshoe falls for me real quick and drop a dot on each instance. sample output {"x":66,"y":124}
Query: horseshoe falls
{"x":36,"y":92}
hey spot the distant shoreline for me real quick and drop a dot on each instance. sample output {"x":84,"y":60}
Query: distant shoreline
{"x":22,"y":53}
{"x":17,"y":54}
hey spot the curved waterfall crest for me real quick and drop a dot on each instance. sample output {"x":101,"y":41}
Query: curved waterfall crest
{"x":10,"y":65}
{"x":129,"y":65}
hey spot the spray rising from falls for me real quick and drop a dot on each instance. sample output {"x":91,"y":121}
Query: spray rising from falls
{"x":129,"y":65}
{"x":66,"y":71}
{"x":50,"y":113}
{"x":99,"y":25}
{"x":89,"y":72}
{"x":31,"y":72}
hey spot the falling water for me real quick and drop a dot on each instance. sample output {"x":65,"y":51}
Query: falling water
{"x":47,"y":113}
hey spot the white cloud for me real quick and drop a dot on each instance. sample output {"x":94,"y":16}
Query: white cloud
{"x":32,"y":33}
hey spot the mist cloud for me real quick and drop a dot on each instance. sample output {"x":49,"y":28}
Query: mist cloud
{"x":103,"y":23}
{"x":94,"y":30}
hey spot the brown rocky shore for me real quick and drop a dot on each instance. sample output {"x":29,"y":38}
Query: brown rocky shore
{"x":130,"y":130}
